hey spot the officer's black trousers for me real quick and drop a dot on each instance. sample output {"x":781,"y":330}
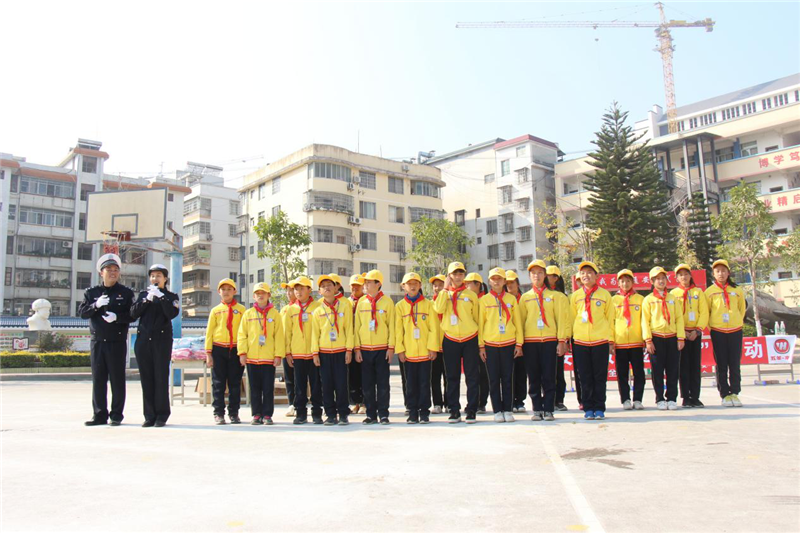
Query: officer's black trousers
{"x":153,"y":357}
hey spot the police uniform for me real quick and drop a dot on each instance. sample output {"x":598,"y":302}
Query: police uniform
{"x":153,"y":347}
{"x":109,"y":345}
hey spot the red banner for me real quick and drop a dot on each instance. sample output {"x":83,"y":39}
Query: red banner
{"x":641,"y":281}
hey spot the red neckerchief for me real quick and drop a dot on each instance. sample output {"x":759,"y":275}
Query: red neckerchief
{"x":412,"y":304}
{"x":454,"y":298}
{"x":626,"y":308}
{"x":374,"y":302}
{"x":664,"y":307}
{"x":587,"y":301}
{"x":339,"y":295}
{"x":333,"y":308}
{"x":355,"y":303}
{"x":686,"y":294}
{"x":230,"y":319}
{"x":303,"y":310}
{"x":724,"y":293}
{"x":518,"y":296}
{"x":434,"y":299}
{"x":499,"y":298}
{"x":264,"y":312}
{"x":540,"y":294}
{"x":481,"y":294}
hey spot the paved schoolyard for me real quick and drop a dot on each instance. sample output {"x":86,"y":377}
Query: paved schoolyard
{"x":713,"y":469}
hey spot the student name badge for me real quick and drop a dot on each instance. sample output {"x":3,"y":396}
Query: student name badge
{"x":502,"y":328}
{"x":262,"y":340}
{"x":372,"y":325}
{"x":305,"y":317}
{"x":540,"y":324}
{"x":416,"y":333}
{"x":333,"y":336}
{"x":453,"y":320}
{"x":726,"y":317}
{"x":692,"y":316}
{"x":584,"y":317}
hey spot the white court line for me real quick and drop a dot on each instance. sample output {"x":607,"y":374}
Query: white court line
{"x":576,"y":497}
{"x":769,"y":401}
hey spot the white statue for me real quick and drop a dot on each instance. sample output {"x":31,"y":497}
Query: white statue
{"x":41,"y":315}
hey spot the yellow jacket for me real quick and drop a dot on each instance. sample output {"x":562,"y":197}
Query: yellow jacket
{"x":556,"y":311}
{"x":324,"y":322}
{"x":717,"y":309}
{"x":252,"y":329}
{"x":654,"y":323}
{"x":217,"y":333}
{"x":626,"y":336}
{"x":439,"y":318}
{"x":467,"y":325}
{"x":601,"y":329}
{"x":384,"y":335}
{"x":491,"y":316}
{"x":298,"y":341}
{"x":415,"y":347}
{"x":696,"y":315}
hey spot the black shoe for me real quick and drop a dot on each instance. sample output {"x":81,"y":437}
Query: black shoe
{"x":316,"y":420}
{"x":561,"y":407}
{"x":482,"y":410}
{"x":116,"y":423}
{"x":344,"y":421}
{"x":161,"y":423}
{"x":148,"y":424}
{"x":412,"y":420}
{"x":687,"y":403}
{"x":299,"y":420}
{"x":407,"y":412}
{"x":94,"y":422}
{"x":219,"y":420}
{"x":385,"y":421}
{"x":424,"y":419}
{"x":471,"y":417}
{"x":369,"y":421}
{"x":235,"y":419}
{"x":331,"y":421}
{"x":697,"y":403}
{"x":454,"y":418}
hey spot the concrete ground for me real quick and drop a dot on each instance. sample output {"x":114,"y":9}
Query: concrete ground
{"x":712,"y":469}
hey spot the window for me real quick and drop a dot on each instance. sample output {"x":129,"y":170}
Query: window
{"x":477,"y":213}
{"x":276,"y":185}
{"x":507,"y":223}
{"x":480,"y":266}
{"x":478,"y":240}
{"x":488,"y":178}
{"x":724,"y":154}
{"x":170,"y":197}
{"x":203,"y":205}
{"x":367,"y":210}
{"x":322,"y":267}
{"x":84,"y":280}
{"x":781,"y":231}
{"x":366,"y":267}
{"x":84,"y":251}
{"x":42,"y":278}
{"x":232,"y":275}
{"x":524,"y":261}
{"x":507,"y":251}
{"x":784,"y":275}
{"x":324,"y":235}
{"x":396,"y":214}
{"x":757,"y":186}
{"x":771,"y":148}
{"x":41,"y":187}
{"x":39,"y":247}
{"x":231,"y":230}
{"x":522,"y":151}
{"x":197,"y":228}
{"x":252,"y":278}
{"x":523,"y":176}
{"x":418,"y":212}
{"x":81,"y":221}
{"x":396,"y":185}
{"x":369,"y":240}
{"x":460,"y":217}
{"x":14,"y":183}
{"x":12,"y":212}
{"x":491,"y":226}
{"x":505,"y":168}
{"x":367,"y":180}
{"x":492,"y":251}
{"x":524,"y":234}
{"x":260,"y":246}
{"x":506,"y":194}
{"x":260,"y":275}
{"x":86,"y":188}
{"x":749,"y":148}
{"x":233,"y":254}
{"x":252,"y":193}
{"x":423,"y":188}
{"x":396,"y":273}
{"x":776,"y":189}
{"x":234,"y":208}
{"x":331,"y":171}
{"x":10,"y":245}
{"x":44,"y":217}
{"x":252,"y":249}
{"x":523,"y":205}
{"x":262,"y":191}
{"x":89,"y":165}
{"x":260,"y":215}
{"x":252,"y":222}
{"x":276,"y":210}
{"x":397,"y":243}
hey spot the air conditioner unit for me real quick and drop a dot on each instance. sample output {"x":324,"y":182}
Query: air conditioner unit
{"x":306,"y":207}
{"x":405,"y":168}
{"x":351,"y":186}
{"x":209,"y":237}
{"x":355,"y":248}
{"x":354,"y":220}
{"x":356,"y":179}
{"x":67,"y":244}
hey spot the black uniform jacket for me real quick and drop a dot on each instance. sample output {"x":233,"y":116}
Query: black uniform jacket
{"x":121,"y":299}
{"x":155,"y":318}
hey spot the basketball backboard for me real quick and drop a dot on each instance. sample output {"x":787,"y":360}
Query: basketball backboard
{"x":143,"y":213}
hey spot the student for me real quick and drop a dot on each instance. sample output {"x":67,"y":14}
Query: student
{"x":155,"y":308}
{"x":354,"y":368}
{"x":555,"y":282}
{"x":222,"y":355}
{"x":520,"y":374}
{"x":438,"y":377}
{"x":592,"y":337}
{"x":458,"y":306}
{"x":374,"y":345}
{"x":546,"y":318}
{"x":628,"y":341}
{"x":297,"y":334}
{"x":500,"y":339}
{"x":693,"y":302}
{"x":475,"y":283}
{"x":417,"y":343}
{"x":726,"y":307}
{"x":288,"y":369}
{"x":663,"y":333}
{"x":261,"y":347}
{"x":332,"y":348}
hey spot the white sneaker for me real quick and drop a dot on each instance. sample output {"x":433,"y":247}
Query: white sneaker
{"x":736,"y":401}
{"x":638,"y":406}
{"x":727,"y":401}
{"x":498,"y":417}
{"x":437,"y":410}
{"x":662,"y":405}
{"x":627,"y":405}
{"x":672,"y":406}
{"x":537,"y":416}
{"x":290,"y":413}
{"x":509,"y":417}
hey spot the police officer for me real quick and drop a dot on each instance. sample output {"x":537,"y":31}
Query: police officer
{"x":108,"y":308}
{"x":155,"y":308}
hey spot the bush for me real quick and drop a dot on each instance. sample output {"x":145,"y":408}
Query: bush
{"x":17,"y":360}
{"x":51,"y":360}
{"x":749,"y":330}
{"x":54,"y":342}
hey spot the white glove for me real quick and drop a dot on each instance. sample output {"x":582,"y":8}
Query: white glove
{"x":150,"y":296}
{"x":158,"y":293}
{"x":110,"y":317}
{"x":154,"y":290}
{"x":102,"y":301}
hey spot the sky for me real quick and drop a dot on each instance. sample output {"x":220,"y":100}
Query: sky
{"x":240,"y":84}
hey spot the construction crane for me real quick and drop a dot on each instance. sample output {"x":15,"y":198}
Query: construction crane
{"x":662,"y":29}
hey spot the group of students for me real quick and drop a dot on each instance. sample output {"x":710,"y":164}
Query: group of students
{"x":340,"y":348}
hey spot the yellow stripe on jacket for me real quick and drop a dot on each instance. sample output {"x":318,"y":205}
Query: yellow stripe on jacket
{"x":654,"y":323}
{"x":384,"y":335}
{"x":491,"y":316}
{"x":601,"y":329}
{"x":467,"y":325}
{"x":626,"y":336}
{"x":250,"y":332}
{"x":556,"y":311}
{"x":717,"y":309}
{"x":696,"y":308}
{"x":217,"y":333}
{"x":416,"y":349}
{"x":298,"y":342}
{"x":324,"y":322}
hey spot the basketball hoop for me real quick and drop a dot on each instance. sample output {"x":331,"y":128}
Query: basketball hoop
{"x":111,"y":240}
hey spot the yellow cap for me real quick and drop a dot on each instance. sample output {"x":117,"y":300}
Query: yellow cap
{"x":511,"y":275}
{"x":455,"y":265}
{"x":624,"y":272}
{"x":324,"y":277}
{"x":226,"y":281}
{"x":497,"y":271}
{"x":655,"y":271}
{"x":411,"y":275}
{"x":437,"y":277}
{"x":474,"y":276}
{"x":357,"y":279}
{"x":588,"y":264}
{"x":553,"y":270}
{"x":683,"y":266}
{"x":261,"y":287}
{"x":537,"y":263}
{"x":305,"y":281}
{"x":721,"y":262}
{"x":335,"y":278}
{"x":289,"y":285}
{"x":374,"y":275}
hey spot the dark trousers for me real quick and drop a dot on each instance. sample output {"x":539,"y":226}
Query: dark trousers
{"x":333,"y":375}
{"x":728,"y":359}
{"x":227,"y":370}
{"x":630,"y":358}
{"x":500,"y":367}
{"x":288,"y":379}
{"x":375,"y":380}
{"x":418,"y":387}
{"x":484,"y":387}
{"x":561,"y":381}
{"x":592,"y":365}
{"x":665,"y":360}
{"x":437,"y":378}
{"x":354,"y":382}
{"x":520,"y":382}
{"x":153,"y":358}
{"x":403,"y":383}
{"x":262,"y":389}
{"x":691,"y":369}
{"x":108,"y":364}
{"x":306,"y":374}
{"x":454,"y":354}
{"x":540,"y":364}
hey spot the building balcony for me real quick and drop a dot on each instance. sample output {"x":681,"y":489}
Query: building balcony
{"x":575,"y":200}
{"x":329,"y":201}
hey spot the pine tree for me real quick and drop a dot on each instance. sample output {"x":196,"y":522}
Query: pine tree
{"x":630,"y":206}
{"x":703,"y":238}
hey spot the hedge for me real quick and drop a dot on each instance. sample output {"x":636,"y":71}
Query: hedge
{"x":52,"y":359}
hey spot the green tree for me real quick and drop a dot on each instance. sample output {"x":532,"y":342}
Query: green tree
{"x":285,"y":243}
{"x":748,"y":240}
{"x":703,"y":238}
{"x":789,"y":251}
{"x":567,"y":240}
{"x":438,"y":242}
{"x":630,"y":206}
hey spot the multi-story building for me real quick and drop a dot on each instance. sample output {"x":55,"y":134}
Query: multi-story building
{"x":210,"y":239}
{"x":43,"y":228}
{"x":497,"y":190}
{"x":358,"y":208}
